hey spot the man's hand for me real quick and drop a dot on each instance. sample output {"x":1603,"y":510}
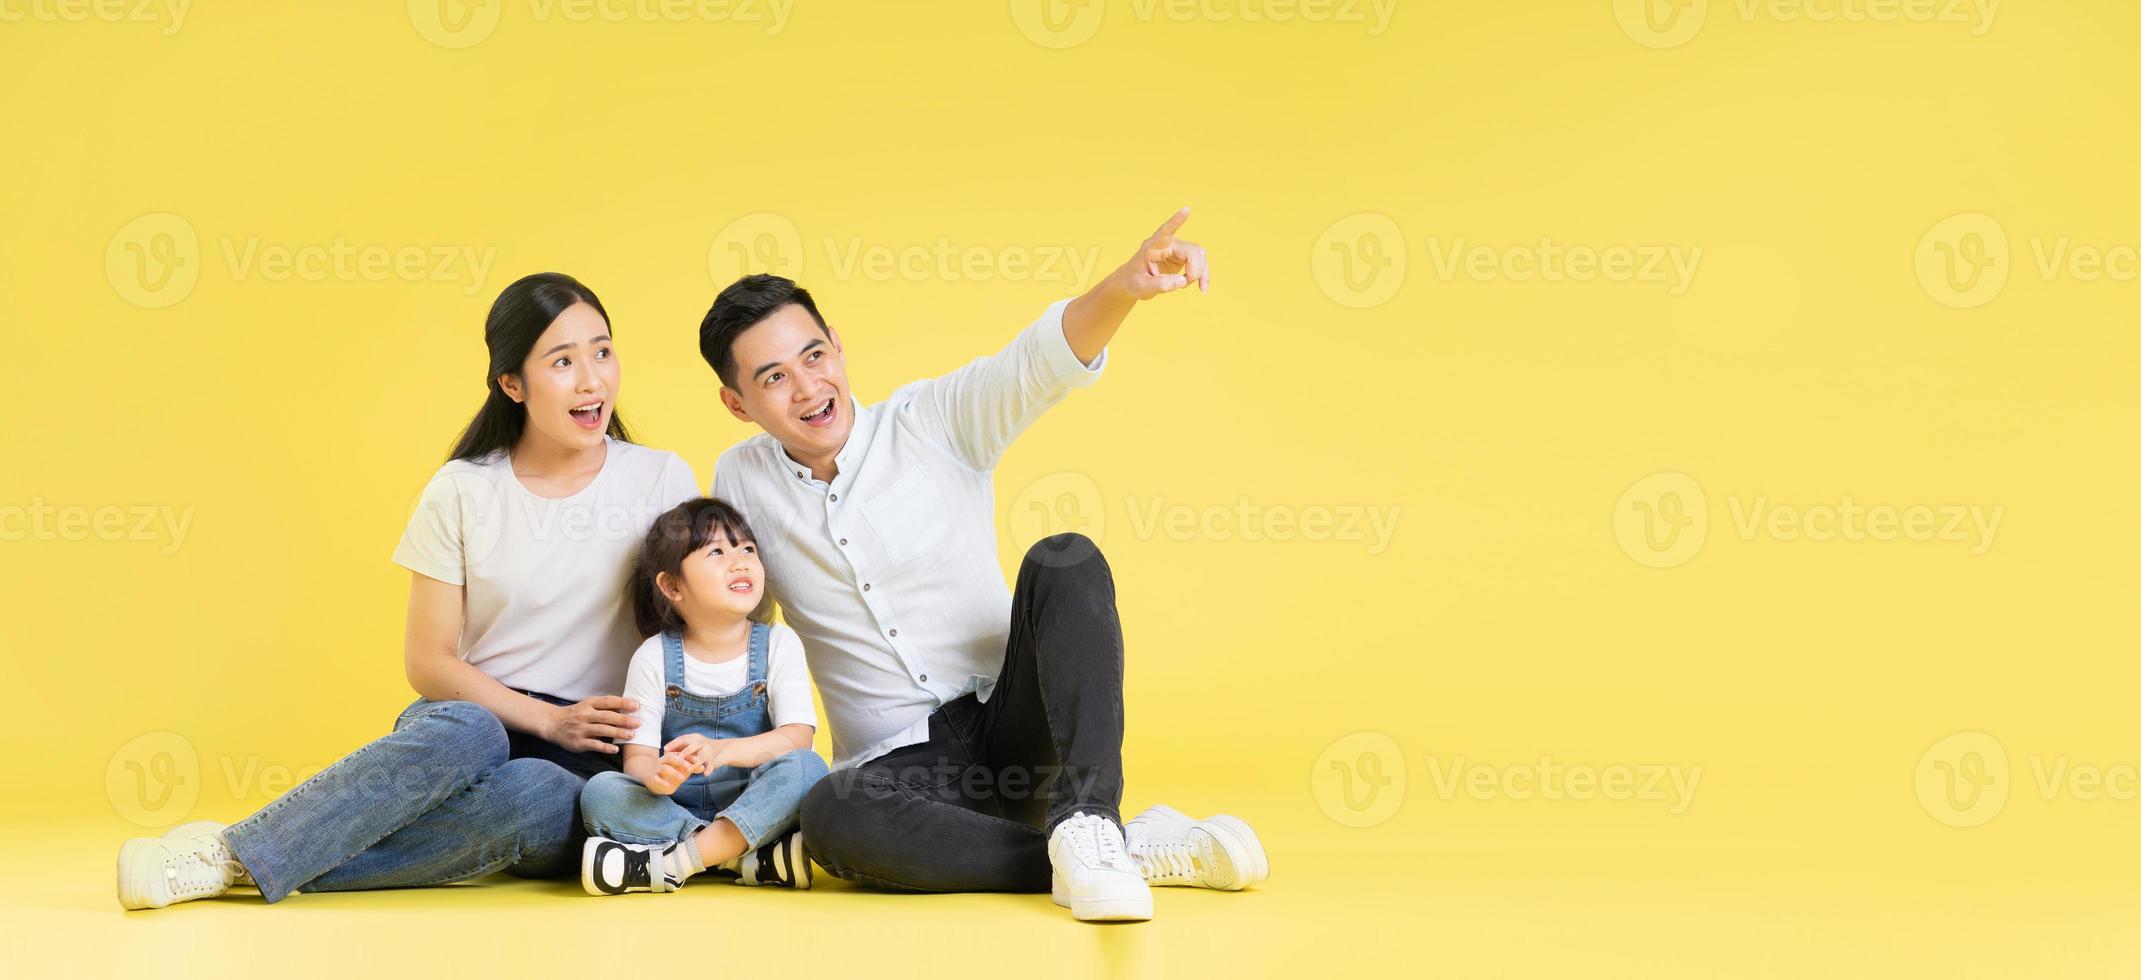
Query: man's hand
{"x":1162,"y":264}
{"x":670,"y":771}
{"x":1165,"y":263}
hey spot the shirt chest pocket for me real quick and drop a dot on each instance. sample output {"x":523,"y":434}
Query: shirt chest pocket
{"x":909,"y":517}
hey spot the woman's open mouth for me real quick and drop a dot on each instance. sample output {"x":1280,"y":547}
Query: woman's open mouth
{"x":823,"y":416}
{"x":588,"y":416}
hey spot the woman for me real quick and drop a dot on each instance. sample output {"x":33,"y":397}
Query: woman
{"x":519,"y":632}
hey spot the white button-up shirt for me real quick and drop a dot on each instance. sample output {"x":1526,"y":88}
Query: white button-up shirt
{"x":889,"y":571}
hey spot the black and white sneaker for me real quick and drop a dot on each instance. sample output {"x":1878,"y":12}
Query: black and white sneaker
{"x":609,"y":867}
{"x":784,"y":862}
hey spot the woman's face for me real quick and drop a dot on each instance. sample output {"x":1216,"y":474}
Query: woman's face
{"x":569,"y":382}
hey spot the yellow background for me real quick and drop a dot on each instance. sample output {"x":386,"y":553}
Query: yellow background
{"x":1500,"y":421}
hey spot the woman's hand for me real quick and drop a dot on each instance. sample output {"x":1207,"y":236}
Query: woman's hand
{"x":583,"y":727}
{"x":669,"y":773}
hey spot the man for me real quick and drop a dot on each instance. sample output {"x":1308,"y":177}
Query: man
{"x":977,"y":734}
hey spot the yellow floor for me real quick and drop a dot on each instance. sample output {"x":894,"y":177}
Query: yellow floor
{"x":1394,"y":900}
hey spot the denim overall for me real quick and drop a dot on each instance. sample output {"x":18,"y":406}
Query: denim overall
{"x":739,"y":715}
{"x":761,"y":802}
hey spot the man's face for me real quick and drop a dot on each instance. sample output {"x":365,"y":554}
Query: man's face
{"x":792,"y":382}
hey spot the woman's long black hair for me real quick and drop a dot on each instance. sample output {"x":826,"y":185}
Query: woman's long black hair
{"x":523,"y":311}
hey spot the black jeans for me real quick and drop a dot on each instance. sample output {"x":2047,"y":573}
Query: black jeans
{"x":584,"y":764}
{"x":971,"y":809}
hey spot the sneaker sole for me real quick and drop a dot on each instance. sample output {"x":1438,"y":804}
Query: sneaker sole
{"x":134,"y":888}
{"x":1118,"y":909}
{"x":799,"y":865}
{"x":588,"y":854}
{"x":1243,"y":849}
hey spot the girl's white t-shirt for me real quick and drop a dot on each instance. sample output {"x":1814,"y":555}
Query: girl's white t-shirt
{"x":787,"y":683}
{"x":544,"y":578}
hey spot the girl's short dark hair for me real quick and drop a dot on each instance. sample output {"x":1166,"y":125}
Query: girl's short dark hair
{"x":685,"y":528}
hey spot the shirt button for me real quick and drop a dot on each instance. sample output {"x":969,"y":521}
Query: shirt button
{"x":893,"y":633}
{"x":843,"y":542}
{"x":835,"y":496}
{"x":925,"y":678}
{"x":799,"y":474}
{"x":865,"y":586}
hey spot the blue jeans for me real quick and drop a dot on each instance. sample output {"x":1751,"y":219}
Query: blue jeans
{"x":439,"y":800}
{"x":763,"y":807}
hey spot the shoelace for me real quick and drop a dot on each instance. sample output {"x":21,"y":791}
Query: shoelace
{"x":1165,"y":862}
{"x":198,"y":871}
{"x":1095,"y":846}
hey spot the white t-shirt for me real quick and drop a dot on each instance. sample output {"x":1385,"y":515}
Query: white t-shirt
{"x":787,"y":683}
{"x":544,"y":578}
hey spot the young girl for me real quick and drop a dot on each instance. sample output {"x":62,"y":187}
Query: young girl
{"x":717,"y":770}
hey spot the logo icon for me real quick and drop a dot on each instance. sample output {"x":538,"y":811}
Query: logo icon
{"x":1359,"y":261}
{"x":1963,"y":780}
{"x":1661,"y":23}
{"x":455,"y":24}
{"x":154,"y":261}
{"x":1359,"y":780}
{"x":154,"y":779}
{"x":763,"y":242}
{"x":1964,"y":260}
{"x":1057,"y":503}
{"x":1662,"y":520}
{"x":1057,"y":23}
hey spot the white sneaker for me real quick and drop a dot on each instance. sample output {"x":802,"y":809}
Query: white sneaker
{"x":783,"y":862}
{"x":1218,"y":852}
{"x":1093,"y":874}
{"x":210,"y":828}
{"x":159,"y":871}
{"x":609,"y":867}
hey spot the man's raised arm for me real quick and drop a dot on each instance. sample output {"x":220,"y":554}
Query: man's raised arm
{"x":1163,"y":264}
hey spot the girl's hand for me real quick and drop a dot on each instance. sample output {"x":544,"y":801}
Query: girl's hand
{"x":670,"y":771}
{"x":706,"y":754}
{"x":583,"y":727}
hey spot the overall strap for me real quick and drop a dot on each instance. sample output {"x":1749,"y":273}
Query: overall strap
{"x":761,"y":638}
{"x":673,"y":659}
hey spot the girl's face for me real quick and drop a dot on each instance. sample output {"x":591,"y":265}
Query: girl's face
{"x":569,"y":382}
{"x":720,"y":580}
